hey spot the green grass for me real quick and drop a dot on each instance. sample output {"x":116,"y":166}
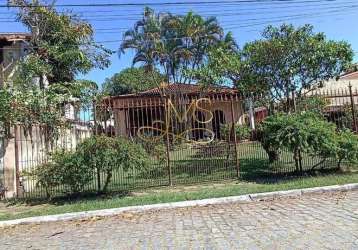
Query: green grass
{"x":20,"y":208}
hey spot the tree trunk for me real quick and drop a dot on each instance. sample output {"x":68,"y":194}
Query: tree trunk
{"x":300,"y":160}
{"x":273,"y":155}
{"x":339,"y":163}
{"x":296,"y":158}
{"x":108,"y":180}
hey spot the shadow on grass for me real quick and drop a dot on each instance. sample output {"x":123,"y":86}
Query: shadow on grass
{"x":192,"y":168}
{"x":69,"y":199}
{"x":261,"y":172}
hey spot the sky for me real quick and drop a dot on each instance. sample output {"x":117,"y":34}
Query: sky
{"x":246,"y":19}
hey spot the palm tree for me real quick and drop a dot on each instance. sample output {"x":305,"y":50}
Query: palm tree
{"x":143,"y":39}
{"x":175,"y":43}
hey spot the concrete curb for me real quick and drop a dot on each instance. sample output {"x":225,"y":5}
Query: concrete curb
{"x":232,"y":199}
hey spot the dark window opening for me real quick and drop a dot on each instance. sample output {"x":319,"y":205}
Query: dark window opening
{"x":218,"y":121}
{"x":198,"y":125}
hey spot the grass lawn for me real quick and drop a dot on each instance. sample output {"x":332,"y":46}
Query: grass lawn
{"x":19,"y":208}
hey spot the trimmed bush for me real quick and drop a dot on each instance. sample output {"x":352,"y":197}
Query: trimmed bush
{"x":304,"y":132}
{"x":100,"y":155}
{"x":347,"y":147}
{"x":106,"y":154}
{"x":64,"y":169}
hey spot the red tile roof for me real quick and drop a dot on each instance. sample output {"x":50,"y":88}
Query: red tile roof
{"x":172,"y":89}
{"x":187,"y":89}
{"x":350,"y":76}
{"x":14,"y":36}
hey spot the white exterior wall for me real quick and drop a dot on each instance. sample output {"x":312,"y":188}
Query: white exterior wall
{"x":32,"y":151}
{"x":11,"y":54}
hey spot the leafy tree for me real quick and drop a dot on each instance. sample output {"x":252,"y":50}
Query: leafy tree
{"x":289,"y":61}
{"x":286,"y":62}
{"x":33,"y":106}
{"x":61,"y":46}
{"x":222,"y":67}
{"x":174,"y":43}
{"x":132,"y":80}
{"x":6,"y":115}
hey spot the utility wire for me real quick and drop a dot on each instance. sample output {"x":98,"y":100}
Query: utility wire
{"x":171,"y":3}
{"x":175,"y":38}
{"x":202,"y":11}
{"x":181,"y":38}
{"x":334,"y":10}
{"x":247,"y":24}
{"x":230,"y":14}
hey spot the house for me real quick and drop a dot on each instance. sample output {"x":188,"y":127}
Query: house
{"x":337,"y":92}
{"x":341,"y":96}
{"x":13,"y":46}
{"x":182,"y":110}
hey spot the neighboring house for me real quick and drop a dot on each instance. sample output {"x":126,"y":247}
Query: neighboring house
{"x":12,"y":48}
{"x":146,"y":110}
{"x":337,"y":91}
{"x":338,"y":87}
{"x":28,"y":148}
{"x":340,"y":94}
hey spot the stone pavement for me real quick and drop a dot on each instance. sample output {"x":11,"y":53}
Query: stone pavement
{"x":322,"y":221}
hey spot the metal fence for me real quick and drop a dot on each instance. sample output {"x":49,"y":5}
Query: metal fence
{"x":2,"y":153}
{"x":33,"y":147}
{"x":179,"y":134}
{"x":341,"y":106}
{"x":190,"y":137}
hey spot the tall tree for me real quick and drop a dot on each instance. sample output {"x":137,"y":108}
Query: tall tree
{"x":286,"y":61}
{"x":61,"y":47}
{"x":132,"y":80}
{"x":290,"y":61}
{"x":222,"y":67}
{"x":174,"y":43}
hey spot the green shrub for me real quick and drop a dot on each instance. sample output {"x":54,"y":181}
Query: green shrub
{"x":265,"y":134}
{"x":73,"y":170}
{"x":155,"y":149}
{"x":105,"y":155}
{"x":46,"y":176}
{"x":64,"y":169}
{"x":304,"y":132}
{"x":347,"y":147}
{"x":243,"y":132}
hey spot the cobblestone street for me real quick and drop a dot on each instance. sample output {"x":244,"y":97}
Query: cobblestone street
{"x":324,"y":221}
